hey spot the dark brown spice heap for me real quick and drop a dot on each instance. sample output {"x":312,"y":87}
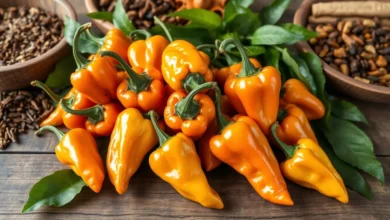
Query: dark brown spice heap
{"x":20,"y":111}
{"x":141,"y":12}
{"x":26,"y":33}
{"x":358,"y":48}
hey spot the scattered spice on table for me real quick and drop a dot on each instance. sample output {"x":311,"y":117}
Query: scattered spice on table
{"x":357,"y":48}
{"x":20,"y":111}
{"x":26,"y":33}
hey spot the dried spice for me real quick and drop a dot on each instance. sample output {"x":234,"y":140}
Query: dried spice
{"x":141,"y":12}
{"x":26,"y":33}
{"x":20,"y":111}
{"x":358,"y":48}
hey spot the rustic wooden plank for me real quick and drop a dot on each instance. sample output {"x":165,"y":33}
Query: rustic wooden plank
{"x":149,"y":197}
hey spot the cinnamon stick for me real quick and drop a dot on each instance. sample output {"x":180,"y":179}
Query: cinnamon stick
{"x":352,"y":8}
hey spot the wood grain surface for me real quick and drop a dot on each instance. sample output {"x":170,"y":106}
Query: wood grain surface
{"x":148,"y":197}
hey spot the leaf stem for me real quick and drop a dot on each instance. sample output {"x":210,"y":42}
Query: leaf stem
{"x":51,"y":128}
{"x":162,"y":136}
{"x":162,"y":25}
{"x":79,"y":59}
{"x":288,"y":150}
{"x":95,"y":114}
{"x":56,"y":98}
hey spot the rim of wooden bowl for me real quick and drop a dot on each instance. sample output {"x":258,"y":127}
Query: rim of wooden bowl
{"x":71,"y":13}
{"x":104,"y":26}
{"x":301,"y":18}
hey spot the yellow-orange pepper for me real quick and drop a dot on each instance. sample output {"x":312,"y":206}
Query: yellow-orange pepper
{"x":254,"y":92}
{"x":293,"y":125}
{"x":184,"y":67}
{"x":207,"y":158}
{"x":115,"y":41}
{"x":132,"y":138}
{"x":309,"y":166}
{"x":78,"y":150}
{"x":177,"y":163}
{"x":295,"y":92}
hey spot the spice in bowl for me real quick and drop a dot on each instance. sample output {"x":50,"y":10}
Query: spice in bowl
{"x":19,"y":111}
{"x":26,"y":33}
{"x":358,"y":47}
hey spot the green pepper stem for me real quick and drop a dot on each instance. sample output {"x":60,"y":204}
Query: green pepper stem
{"x":247,"y":68}
{"x":53,"y":129}
{"x":136,"y":82}
{"x":95,"y":114}
{"x":162,"y":25}
{"x":79,"y":59}
{"x":188,"y":108}
{"x":99,"y":41}
{"x":162,"y":136}
{"x":56,"y":98}
{"x":288,"y":150}
{"x":221,"y":119}
{"x":146,"y":33}
{"x":192,"y":81}
{"x":282,"y":113}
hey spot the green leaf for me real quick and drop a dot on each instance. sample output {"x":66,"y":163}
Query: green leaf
{"x":353,"y":146}
{"x":85,"y":44}
{"x":273,"y":35}
{"x":299,"y":30}
{"x":205,"y":18}
{"x":305,"y":72}
{"x":274,"y":11}
{"x":347,"y":110}
{"x":60,"y":77}
{"x":251,"y":51}
{"x":101,"y":15}
{"x":315,"y":66}
{"x":56,"y":189}
{"x":289,"y":61}
{"x":272,"y":57}
{"x":121,"y":20}
{"x":243,"y":3}
{"x":350,"y":175}
{"x":244,"y":24}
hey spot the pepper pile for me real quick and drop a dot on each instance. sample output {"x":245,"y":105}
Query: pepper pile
{"x":166,"y":93}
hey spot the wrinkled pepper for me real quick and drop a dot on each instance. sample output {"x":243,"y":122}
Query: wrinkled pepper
{"x":309,"y":166}
{"x":100,"y":118}
{"x":96,"y":79}
{"x":176,"y":162}
{"x":78,"y":150}
{"x":58,"y":117}
{"x":293,"y":125}
{"x":139,"y":90}
{"x":222,"y":74}
{"x":190,"y":113}
{"x":132,"y":138}
{"x":295,"y":92}
{"x":115,"y":41}
{"x":242,"y":145}
{"x":254,"y":92}
{"x":146,"y":54}
{"x":184,"y":67}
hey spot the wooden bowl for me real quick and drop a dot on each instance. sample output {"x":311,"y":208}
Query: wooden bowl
{"x":20,"y":75}
{"x":104,"y":26}
{"x":341,"y":82}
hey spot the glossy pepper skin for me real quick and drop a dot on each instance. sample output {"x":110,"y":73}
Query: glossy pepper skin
{"x":184,"y":67}
{"x":295,"y":92}
{"x":222,"y":74}
{"x":139,"y":91}
{"x":177,"y":163}
{"x":293,"y":125}
{"x":132,"y":138}
{"x":101,"y":118}
{"x":78,"y":150}
{"x":207,"y":158}
{"x":243,"y":146}
{"x":251,"y":82}
{"x":190,"y":113}
{"x":309,"y":166}
{"x":97,"y":79}
{"x":115,"y":41}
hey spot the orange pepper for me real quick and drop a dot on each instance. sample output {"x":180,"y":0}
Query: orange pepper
{"x":191,"y":113}
{"x":101,"y":118}
{"x":98,"y":79}
{"x":254,"y":92}
{"x":295,"y":92}
{"x":139,"y":91}
{"x":207,"y":158}
{"x":78,"y":150}
{"x":184,"y":67}
{"x":115,"y":41}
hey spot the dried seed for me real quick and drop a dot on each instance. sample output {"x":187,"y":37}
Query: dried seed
{"x":344,"y":69}
{"x":340,"y":53}
{"x":369,"y":23}
{"x":381,"y":61}
{"x":371,"y":49}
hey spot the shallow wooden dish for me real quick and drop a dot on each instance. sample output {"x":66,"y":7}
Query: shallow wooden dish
{"x":339,"y":81}
{"x":104,"y":26}
{"x":20,"y":75}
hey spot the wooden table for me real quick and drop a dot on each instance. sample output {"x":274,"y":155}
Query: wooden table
{"x":148,"y":197}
